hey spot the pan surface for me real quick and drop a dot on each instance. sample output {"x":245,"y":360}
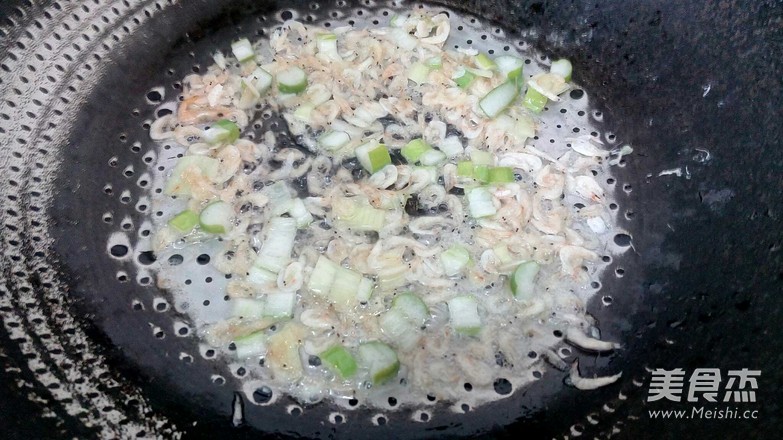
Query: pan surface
{"x":90,"y":348}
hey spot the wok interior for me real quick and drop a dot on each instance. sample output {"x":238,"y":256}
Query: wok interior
{"x":670,"y":91}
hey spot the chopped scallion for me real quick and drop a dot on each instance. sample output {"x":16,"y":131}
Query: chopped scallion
{"x":465,"y":169}
{"x":454,"y":260}
{"x":334,"y":140}
{"x":481,"y":173}
{"x":322,"y":277}
{"x":220,"y":60}
{"x":451,"y":146}
{"x":381,"y":360}
{"x":185,"y":221}
{"x":498,"y":99}
{"x":251,"y":345}
{"x":373,"y":156}
{"x":261,"y":80}
{"x":247,"y":308}
{"x":292,"y":80}
{"x":357,"y":216}
{"x":261,"y":277}
{"x":432,"y":157}
{"x":481,"y":157}
{"x":242,"y":50}
{"x":463,"y":77}
{"x":501,"y":175}
{"x":327,"y":46}
{"x":278,"y":243}
{"x":365,"y":290}
{"x":280,"y":305}
{"x":298,"y":211}
{"x":464,"y":316}
{"x":217,"y":218}
{"x":418,"y":72}
{"x":403,"y":39}
{"x":414,"y":149}
{"x":344,"y":288}
{"x":522,"y":281}
{"x":480,"y":203}
{"x":434,"y":63}
{"x":534,"y":100}
{"x":339,"y":360}
{"x":510,"y":66}
{"x":483,"y":61}
{"x":222,"y":131}
{"x":562,"y":68}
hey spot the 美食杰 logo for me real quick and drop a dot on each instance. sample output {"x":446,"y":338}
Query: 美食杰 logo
{"x":731,"y":393}
{"x":704,"y":383}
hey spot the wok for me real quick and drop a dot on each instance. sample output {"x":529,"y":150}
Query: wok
{"x":694,"y":86}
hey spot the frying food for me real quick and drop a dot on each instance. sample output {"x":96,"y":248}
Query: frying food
{"x":411,"y":242}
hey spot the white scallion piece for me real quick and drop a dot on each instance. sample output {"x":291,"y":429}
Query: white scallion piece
{"x":454,"y":260}
{"x":402,"y":324}
{"x":334,"y":140}
{"x":364,"y":292}
{"x":434,"y":63}
{"x":353,"y":215}
{"x":278,"y":243}
{"x":398,"y":20}
{"x":464,"y":316}
{"x":562,"y":68}
{"x":380,"y":359}
{"x":261,"y":80}
{"x":292,"y":80}
{"x":451,"y":146}
{"x":345,"y":288}
{"x":242,"y":50}
{"x":220,"y":60}
{"x":247,"y":308}
{"x":463,"y":77}
{"x":510,"y":66}
{"x":432,"y":157}
{"x":418,"y":73}
{"x":483,"y":61}
{"x":217,"y":218}
{"x":523,"y":280}
{"x":398,"y":329}
{"x":481,"y":157}
{"x":279,"y":197}
{"x":373,"y":156}
{"x":260,"y":276}
{"x":480,"y":203}
{"x":298,"y":211}
{"x":280,"y":305}
{"x":412,"y":307}
{"x":498,"y":99}
{"x":403,"y":39}
{"x":251,"y":345}
{"x":322,"y":276}
{"x":327,"y":46}
{"x":303,"y":112}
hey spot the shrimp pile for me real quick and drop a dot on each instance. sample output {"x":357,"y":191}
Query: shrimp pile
{"x":364,"y":89}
